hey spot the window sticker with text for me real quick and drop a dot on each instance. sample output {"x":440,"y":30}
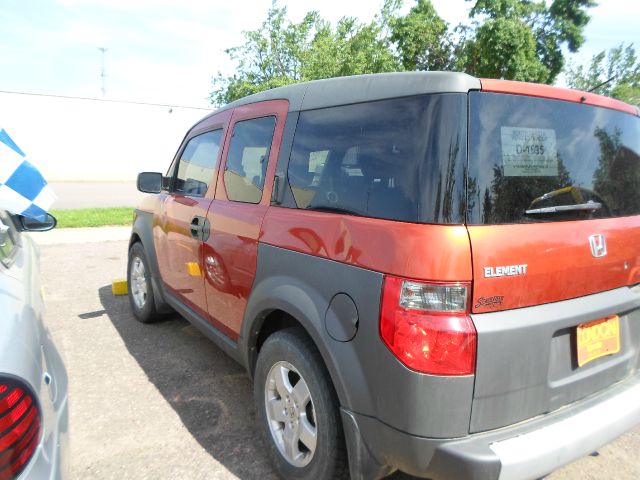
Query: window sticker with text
{"x":529,"y":152}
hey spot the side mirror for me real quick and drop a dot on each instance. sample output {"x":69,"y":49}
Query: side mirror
{"x":41,"y":224}
{"x":149,"y":182}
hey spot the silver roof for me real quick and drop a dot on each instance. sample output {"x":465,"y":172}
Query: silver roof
{"x":362,"y":88}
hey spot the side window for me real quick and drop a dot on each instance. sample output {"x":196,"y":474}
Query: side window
{"x":247,"y":159}
{"x":398,"y":159}
{"x":359,"y":159}
{"x":197,"y":164}
{"x":304,"y":175}
{"x":7,"y":237}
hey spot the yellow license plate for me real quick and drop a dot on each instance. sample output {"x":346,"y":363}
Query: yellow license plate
{"x":598,"y":338}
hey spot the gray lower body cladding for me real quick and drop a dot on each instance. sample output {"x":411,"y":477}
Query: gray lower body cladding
{"x":528,"y":450}
{"x":368,"y":379}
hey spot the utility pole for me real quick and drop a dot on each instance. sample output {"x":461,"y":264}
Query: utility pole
{"x":103,"y":74}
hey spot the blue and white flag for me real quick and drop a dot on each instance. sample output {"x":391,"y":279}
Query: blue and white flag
{"x":23,"y":189}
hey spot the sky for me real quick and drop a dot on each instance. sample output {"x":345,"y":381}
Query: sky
{"x":167,"y":51}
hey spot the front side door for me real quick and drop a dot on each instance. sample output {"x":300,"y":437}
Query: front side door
{"x":182,"y":218}
{"x":245,"y":182}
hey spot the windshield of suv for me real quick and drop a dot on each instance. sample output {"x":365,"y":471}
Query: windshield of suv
{"x":534,"y":159}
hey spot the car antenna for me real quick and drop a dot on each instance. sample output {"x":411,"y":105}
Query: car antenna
{"x":601,"y":84}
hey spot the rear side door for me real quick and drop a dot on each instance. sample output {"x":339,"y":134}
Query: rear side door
{"x":245,"y":182}
{"x":182,"y":215}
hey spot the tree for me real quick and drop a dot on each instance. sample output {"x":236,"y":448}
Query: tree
{"x":523,"y":39}
{"x":421,"y":37}
{"x":281,"y":52}
{"x":511,"y":39}
{"x":351,"y":49}
{"x":271,"y":57}
{"x":614,"y":74}
{"x":617,"y":178}
{"x":506,"y":48}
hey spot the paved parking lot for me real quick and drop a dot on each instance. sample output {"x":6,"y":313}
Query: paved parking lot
{"x":160,"y":401}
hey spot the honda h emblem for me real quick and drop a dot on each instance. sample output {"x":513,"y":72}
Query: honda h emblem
{"x":598,"y":245}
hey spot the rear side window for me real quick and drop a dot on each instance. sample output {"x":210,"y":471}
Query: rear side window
{"x":399,"y":159}
{"x":248,"y":158}
{"x":534,"y":159}
{"x":197,"y":164}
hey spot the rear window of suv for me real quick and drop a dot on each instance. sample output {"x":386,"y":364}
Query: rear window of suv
{"x":534,"y":159}
{"x":399,"y":159}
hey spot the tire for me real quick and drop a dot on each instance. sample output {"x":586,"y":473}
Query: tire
{"x":301,"y":428}
{"x":139,"y":286}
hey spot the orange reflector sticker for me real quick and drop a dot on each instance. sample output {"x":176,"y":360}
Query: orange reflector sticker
{"x":597,"y":339}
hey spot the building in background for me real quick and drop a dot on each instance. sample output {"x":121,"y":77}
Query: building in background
{"x":74,"y":139}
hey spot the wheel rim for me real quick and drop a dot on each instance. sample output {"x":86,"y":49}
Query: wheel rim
{"x":290,"y":414}
{"x":138,"y":282}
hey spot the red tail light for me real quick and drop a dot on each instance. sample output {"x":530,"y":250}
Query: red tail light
{"x":427,"y":325}
{"x":19,"y":428}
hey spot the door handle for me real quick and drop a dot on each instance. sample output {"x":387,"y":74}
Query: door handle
{"x":200,"y":228}
{"x":196,"y":227}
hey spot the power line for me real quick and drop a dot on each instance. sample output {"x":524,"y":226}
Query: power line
{"x":129,"y":102}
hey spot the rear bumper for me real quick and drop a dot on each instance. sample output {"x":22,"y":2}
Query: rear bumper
{"x":527,"y":450}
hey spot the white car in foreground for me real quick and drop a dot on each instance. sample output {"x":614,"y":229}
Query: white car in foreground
{"x":33,"y":379}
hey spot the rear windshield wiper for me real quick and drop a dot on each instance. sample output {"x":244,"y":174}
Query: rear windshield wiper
{"x":589,"y":206}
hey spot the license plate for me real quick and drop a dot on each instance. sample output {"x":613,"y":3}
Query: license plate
{"x":598,"y":338}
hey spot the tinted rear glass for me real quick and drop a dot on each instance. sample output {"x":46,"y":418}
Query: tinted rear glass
{"x":399,"y":159}
{"x":534,"y":159}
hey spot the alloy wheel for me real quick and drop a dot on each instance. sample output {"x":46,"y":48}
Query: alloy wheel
{"x":291,"y":414}
{"x":138,"y":282}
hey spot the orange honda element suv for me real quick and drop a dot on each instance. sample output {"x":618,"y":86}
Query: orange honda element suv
{"x":425,"y":272}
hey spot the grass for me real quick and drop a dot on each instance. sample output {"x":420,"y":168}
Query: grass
{"x":93,"y":217}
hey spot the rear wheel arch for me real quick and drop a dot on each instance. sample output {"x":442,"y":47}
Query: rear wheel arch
{"x":277,"y":319}
{"x":265,"y":325}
